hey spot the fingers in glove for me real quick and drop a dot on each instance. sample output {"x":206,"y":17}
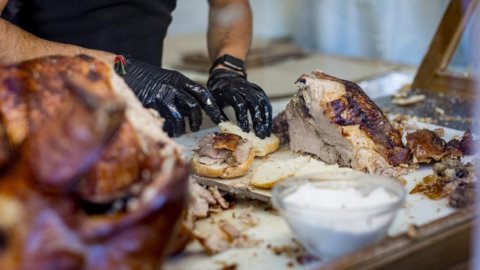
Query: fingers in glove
{"x":239,"y":106}
{"x":267,"y":107}
{"x":167,"y":108}
{"x":174,"y":121}
{"x":258,"y":115}
{"x":206,"y":101}
{"x":189,"y":106}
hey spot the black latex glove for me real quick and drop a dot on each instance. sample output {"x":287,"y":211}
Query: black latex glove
{"x":230,"y":88}
{"x":172,"y":94}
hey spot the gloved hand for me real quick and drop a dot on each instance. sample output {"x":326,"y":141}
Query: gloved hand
{"x":231,"y":88}
{"x":172,"y":94}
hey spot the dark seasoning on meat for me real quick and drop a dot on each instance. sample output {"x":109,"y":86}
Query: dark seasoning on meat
{"x":356,"y":108}
{"x":335,"y":121}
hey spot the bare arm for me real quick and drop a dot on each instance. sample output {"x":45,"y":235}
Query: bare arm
{"x":18,"y":45}
{"x":229,"y":28}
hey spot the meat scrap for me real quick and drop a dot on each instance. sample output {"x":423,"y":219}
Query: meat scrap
{"x":427,"y":146}
{"x":451,"y":178}
{"x":247,"y":217}
{"x":225,"y":236}
{"x":202,"y":202}
{"x":218,"y":197}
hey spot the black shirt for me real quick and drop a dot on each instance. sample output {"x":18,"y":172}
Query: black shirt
{"x":135,"y":27}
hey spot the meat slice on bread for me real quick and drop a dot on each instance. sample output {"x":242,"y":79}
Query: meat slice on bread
{"x":231,"y":152}
{"x":222,"y":155}
{"x":336,"y":121}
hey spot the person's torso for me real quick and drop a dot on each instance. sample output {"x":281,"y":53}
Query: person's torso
{"x":136,"y":27}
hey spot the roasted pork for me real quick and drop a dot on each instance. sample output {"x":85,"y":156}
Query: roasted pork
{"x":89,"y":180}
{"x":334,"y":120}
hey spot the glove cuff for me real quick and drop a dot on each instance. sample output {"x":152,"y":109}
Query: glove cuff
{"x":229,"y":62}
{"x":224,"y":72}
{"x":119,"y":65}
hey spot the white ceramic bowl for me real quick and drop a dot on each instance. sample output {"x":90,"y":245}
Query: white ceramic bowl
{"x":328,"y":233}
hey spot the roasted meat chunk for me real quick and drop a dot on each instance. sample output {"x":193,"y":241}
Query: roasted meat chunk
{"x":335,"y":120}
{"x":426,"y":146}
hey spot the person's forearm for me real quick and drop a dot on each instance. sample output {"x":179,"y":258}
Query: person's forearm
{"x":229,"y":28}
{"x":18,"y":45}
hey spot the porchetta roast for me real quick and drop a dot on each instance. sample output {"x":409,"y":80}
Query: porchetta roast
{"x":337,"y":122}
{"x":88,"y":178}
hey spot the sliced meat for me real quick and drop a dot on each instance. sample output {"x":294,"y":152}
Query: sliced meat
{"x":223,"y":148}
{"x":210,"y":161}
{"x":205,"y":148}
{"x":242,"y":152}
{"x":335,"y":120}
{"x":226,"y":141}
{"x":426,"y":146}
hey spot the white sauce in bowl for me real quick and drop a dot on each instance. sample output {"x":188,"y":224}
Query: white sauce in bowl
{"x":334,"y":221}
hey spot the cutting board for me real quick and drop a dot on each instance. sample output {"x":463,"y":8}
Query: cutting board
{"x":418,"y":209}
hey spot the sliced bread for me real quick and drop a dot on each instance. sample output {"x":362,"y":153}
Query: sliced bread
{"x":271,"y":172}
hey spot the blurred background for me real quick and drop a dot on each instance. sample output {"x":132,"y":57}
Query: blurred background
{"x":390,"y":30}
{"x":378,"y":44}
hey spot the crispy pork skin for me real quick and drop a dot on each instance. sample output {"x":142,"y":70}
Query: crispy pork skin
{"x":426,"y":146}
{"x":335,"y":120}
{"x":89,"y":179}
